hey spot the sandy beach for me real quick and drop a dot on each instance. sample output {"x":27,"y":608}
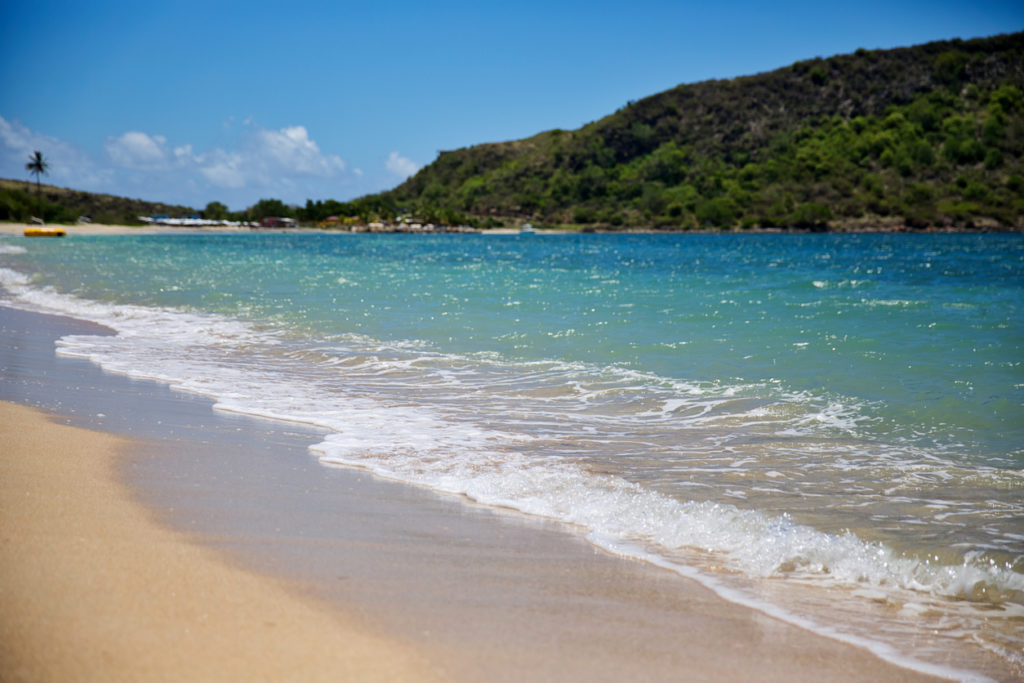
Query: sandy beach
{"x":103,"y":229}
{"x":92,"y":589}
{"x":212,"y":547}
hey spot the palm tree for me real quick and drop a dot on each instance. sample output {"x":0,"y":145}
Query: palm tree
{"x":37,"y":166}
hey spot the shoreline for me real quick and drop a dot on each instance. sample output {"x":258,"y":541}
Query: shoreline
{"x":486,"y":595}
{"x":17,"y":229}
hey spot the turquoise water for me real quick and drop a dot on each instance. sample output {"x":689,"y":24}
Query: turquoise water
{"x":811,"y":412}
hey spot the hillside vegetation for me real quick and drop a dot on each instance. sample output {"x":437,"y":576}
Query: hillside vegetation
{"x":930,"y":135}
{"x":918,"y":137}
{"x":18,"y":202}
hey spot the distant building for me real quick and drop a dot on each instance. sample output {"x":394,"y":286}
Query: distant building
{"x":275,"y":222}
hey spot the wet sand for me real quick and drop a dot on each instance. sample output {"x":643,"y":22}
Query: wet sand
{"x":94,"y":589}
{"x":431,"y":585}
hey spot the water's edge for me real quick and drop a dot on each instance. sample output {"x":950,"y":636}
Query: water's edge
{"x":105,"y":410}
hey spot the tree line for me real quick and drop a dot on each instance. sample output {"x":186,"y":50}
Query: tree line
{"x":63,"y":205}
{"x":365,"y":209}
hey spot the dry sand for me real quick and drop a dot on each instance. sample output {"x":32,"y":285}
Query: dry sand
{"x":92,"y":590}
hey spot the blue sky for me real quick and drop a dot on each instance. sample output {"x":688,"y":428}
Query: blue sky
{"x":191,"y":102}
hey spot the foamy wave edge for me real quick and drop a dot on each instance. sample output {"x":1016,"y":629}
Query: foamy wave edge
{"x":615,"y":515}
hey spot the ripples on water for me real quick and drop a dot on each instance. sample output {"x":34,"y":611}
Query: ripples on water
{"x":788,"y":413}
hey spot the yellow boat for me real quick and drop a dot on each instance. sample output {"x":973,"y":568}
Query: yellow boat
{"x":45,"y":232}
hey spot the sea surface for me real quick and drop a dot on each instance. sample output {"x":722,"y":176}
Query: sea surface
{"x":829,"y":428}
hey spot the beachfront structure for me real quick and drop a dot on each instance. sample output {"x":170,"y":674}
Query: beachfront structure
{"x":276,"y":222}
{"x":192,"y":221}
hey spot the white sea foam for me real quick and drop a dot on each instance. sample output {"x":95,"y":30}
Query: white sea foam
{"x":13,"y":280}
{"x":11,"y":248}
{"x":213,"y":355}
{"x":490,"y":458}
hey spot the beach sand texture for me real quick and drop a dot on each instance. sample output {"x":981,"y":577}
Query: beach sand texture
{"x":94,"y":585}
{"x":91,"y":589}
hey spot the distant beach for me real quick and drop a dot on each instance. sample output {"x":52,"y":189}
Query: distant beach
{"x":155,"y":229}
{"x":102,"y":229}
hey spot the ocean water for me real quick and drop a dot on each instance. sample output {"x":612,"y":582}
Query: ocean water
{"x":828,"y":428}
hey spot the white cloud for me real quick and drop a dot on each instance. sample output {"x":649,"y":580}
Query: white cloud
{"x":286,"y":163}
{"x":265,"y":159}
{"x":224,"y":170}
{"x":268,"y":159}
{"x":68,"y":164}
{"x":135,"y":149}
{"x":17,"y":137}
{"x":401,"y":166}
{"x":184,"y":154}
{"x":291,"y":149}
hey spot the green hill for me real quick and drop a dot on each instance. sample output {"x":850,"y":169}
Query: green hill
{"x":930,"y":135}
{"x":18,"y":202}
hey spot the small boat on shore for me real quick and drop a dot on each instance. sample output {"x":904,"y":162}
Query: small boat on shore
{"x":39,"y":231}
